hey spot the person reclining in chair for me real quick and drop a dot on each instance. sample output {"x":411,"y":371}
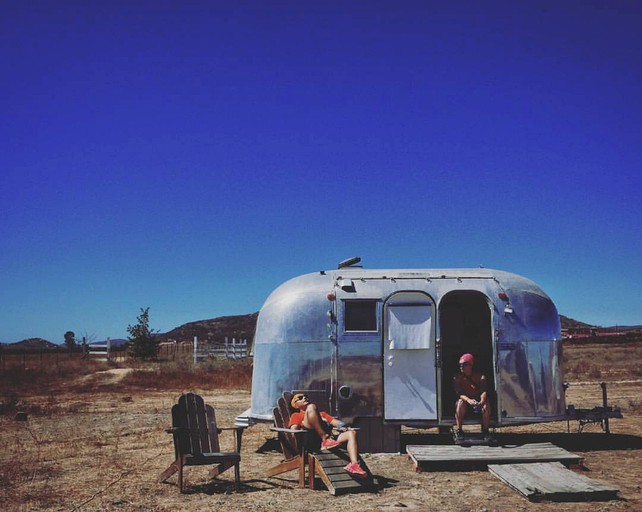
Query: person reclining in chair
{"x":470,"y":388}
{"x":318,"y":427}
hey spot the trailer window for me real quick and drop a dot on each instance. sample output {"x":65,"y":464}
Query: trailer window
{"x":360,"y":315}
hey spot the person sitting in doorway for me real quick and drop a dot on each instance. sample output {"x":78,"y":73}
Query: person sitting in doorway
{"x":318,"y":427}
{"x":470,"y":389}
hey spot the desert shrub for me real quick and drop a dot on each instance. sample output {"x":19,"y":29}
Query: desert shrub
{"x":635,"y":405}
{"x":184,"y":375}
{"x":43,"y":379}
{"x":576,"y":370}
{"x":9,"y":402}
{"x":143,"y":342}
{"x":594,"y":372}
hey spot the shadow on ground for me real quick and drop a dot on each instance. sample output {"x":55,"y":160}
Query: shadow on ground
{"x":225,"y":487}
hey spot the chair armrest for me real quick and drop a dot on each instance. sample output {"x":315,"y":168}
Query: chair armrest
{"x":288,"y":430}
{"x":238,"y":434}
{"x":237,"y":430}
{"x":173,"y":430}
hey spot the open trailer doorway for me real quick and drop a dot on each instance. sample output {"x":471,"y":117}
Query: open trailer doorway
{"x":465,"y":326}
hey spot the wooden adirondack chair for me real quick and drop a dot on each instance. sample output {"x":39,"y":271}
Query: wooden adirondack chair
{"x":196,"y":440}
{"x":327,"y":465}
{"x":291,"y":441}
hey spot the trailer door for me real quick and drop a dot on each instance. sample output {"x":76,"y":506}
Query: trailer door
{"x":409,"y":372}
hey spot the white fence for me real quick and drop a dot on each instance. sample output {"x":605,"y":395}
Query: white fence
{"x":230,"y":349}
{"x":99,"y":351}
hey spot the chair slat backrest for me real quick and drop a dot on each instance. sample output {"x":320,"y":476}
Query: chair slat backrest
{"x":284,"y":409}
{"x":212,"y":429}
{"x":282,"y":412}
{"x":197,"y":423}
{"x":287,"y":396}
{"x":288,"y":441}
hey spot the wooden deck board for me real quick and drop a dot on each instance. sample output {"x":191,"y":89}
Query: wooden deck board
{"x":425,"y":456}
{"x":551,"y":481}
{"x":329,"y":467}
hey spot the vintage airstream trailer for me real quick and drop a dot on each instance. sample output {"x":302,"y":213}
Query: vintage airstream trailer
{"x":380,"y":347}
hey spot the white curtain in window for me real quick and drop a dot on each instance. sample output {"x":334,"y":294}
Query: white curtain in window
{"x":409,"y":327}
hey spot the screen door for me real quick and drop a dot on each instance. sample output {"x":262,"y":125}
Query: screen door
{"x":409,"y":357}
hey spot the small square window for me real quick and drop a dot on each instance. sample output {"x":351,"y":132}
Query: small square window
{"x":361,"y":315}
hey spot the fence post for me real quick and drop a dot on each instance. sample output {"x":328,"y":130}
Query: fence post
{"x":195,"y":350}
{"x":108,"y":348}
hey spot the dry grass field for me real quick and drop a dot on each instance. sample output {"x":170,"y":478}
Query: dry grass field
{"x":95,"y":440}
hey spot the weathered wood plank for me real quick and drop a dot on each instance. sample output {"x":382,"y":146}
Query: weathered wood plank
{"x":335,"y":454}
{"x":333,"y":463}
{"x":537,"y":452}
{"x":346,"y":484}
{"x":329,"y":467}
{"x":551,"y":481}
{"x":338,"y":474}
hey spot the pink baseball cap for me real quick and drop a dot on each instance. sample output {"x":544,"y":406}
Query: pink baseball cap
{"x":467,"y":358}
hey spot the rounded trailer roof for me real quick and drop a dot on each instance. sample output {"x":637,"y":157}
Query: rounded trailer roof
{"x":325,"y":279}
{"x":296,"y":309}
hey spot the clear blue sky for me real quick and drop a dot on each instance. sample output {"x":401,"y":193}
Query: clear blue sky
{"x":191,"y":156}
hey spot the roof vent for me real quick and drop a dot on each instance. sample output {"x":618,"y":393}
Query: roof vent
{"x":349,"y":262}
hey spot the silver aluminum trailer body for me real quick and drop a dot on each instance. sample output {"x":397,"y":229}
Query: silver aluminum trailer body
{"x":385,"y":344}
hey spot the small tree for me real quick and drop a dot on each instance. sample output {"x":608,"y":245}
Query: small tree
{"x":142,"y":339}
{"x":70,"y":340}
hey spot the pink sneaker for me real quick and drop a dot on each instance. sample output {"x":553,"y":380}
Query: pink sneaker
{"x":355,"y":470}
{"x":329,"y":443}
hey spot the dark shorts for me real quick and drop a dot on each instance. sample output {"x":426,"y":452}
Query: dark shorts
{"x":312,"y":441}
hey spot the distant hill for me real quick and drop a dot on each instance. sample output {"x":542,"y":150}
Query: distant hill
{"x":238,"y":326}
{"x":215,"y":330}
{"x":32,"y":344}
{"x":569,"y":323}
{"x":243,"y":326}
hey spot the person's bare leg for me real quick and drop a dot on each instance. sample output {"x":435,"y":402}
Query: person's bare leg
{"x":485,"y":417}
{"x":460,"y":412}
{"x":350,"y":437}
{"x":312,"y":421}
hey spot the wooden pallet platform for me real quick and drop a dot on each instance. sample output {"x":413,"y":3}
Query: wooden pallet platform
{"x":551,"y":481}
{"x":329,"y":467}
{"x":426,"y":457}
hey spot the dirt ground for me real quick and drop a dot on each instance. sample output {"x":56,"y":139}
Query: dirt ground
{"x":105,"y":451}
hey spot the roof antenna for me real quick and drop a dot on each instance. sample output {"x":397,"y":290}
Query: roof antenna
{"x":349,"y":262}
